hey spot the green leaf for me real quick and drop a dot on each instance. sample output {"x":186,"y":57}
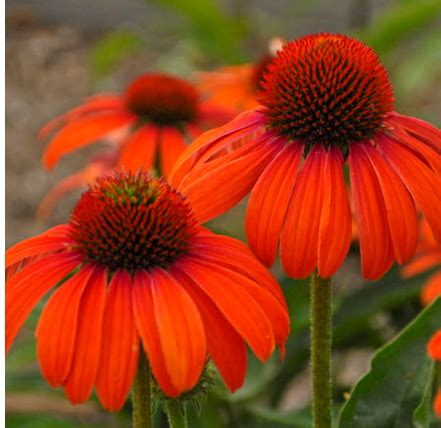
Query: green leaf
{"x":398,"y":22}
{"x":421,"y":416}
{"x":112,"y":49}
{"x":216,"y":33}
{"x":395,"y":386}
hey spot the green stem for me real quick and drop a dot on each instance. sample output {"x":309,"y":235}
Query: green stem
{"x":321,"y":343}
{"x":176,"y":414}
{"x":142,"y":417}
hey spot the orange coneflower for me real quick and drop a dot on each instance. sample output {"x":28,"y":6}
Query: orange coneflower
{"x":327,"y":101}
{"x":434,"y":351}
{"x":155,"y":116}
{"x":237,"y":86}
{"x":131,"y":264}
{"x":427,"y":256}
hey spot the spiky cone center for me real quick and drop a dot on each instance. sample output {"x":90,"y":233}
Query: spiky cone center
{"x":328,"y":89}
{"x":162,"y":99}
{"x":132,"y":222}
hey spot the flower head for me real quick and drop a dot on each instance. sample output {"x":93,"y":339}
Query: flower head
{"x":133,"y":266}
{"x":150,"y":122}
{"x":327,"y":102}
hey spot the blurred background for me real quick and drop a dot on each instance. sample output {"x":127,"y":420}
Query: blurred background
{"x":59,"y":52}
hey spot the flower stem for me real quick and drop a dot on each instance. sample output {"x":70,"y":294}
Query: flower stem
{"x":142,"y":417}
{"x":321,"y":343}
{"x":176,"y":414}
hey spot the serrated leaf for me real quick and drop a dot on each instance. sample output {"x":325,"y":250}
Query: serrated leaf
{"x":389,"y":394}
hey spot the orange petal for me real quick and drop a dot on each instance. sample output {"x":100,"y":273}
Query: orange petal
{"x":437,"y":403}
{"x":235,"y":255}
{"x":119,"y":344}
{"x":140,"y":149}
{"x":400,"y":209}
{"x":53,"y":239}
{"x":274,"y":311}
{"x":252,"y":324}
{"x":86,"y":357}
{"x":247,"y":121}
{"x":419,"y":128}
{"x":336,"y":219}
{"x":269,"y":201}
{"x":28,"y":286}
{"x":215,"y":187}
{"x":421,"y":263}
{"x":96,"y":104}
{"x":143,"y":310}
{"x":180,"y":329}
{"x":82,"y":132}
{"x":224,"y":344}
{"x":370,"y":211}
{"x":57,"y":328}
{"x":431,"y":289}
{"x":421,"y":181}
{"x":418,"y":147}
{"x":172,"y":146}
{"x":300,"y":234}
{"x":434,"y":346}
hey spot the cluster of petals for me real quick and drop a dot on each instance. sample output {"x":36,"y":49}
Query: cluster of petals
{"x":427,"y":257}
{"x":134,"y":139}
{"x":298,"y":192}
{"x":209,"y":303}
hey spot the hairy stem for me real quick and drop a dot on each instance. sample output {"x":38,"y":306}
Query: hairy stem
{"x":321,"y":344}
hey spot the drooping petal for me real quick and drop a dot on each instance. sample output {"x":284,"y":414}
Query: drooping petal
{"x":86,"y":356}
{"x":400,"y":209}
{"x":419,"y":147}
{"x":431,"y":289}
{"x":143,"y":311}
{"x":370,"y":211}
{"x":82,"y":132}
{"x":300,"y":234}
{"x":140,"y":149}
{"x":95,"y":104}
{"x":336,"y":219}
{"x":57,"y":328}
{"x":224,"y":344}
{"x":27,"y":287}
{"x":269,"y":201}
{"x":421,"y":263}
{"x":247,"y":122}
{"x":217,"y":186}
{"x":119,"y":344}
{"x":180,"y":328}
{"x":421,"y":181}
{"x":275,"y":312}
{"x":53,"y":239}
{"x":419,"y":128}
{"x":252,"y":324}
{"x":172,"y":146}
{"x":235,"y":255}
